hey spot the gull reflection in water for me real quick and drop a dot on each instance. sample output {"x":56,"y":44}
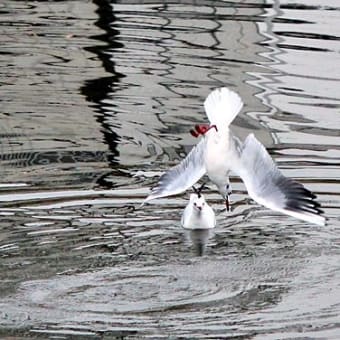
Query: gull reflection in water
{"x":199,"y":239}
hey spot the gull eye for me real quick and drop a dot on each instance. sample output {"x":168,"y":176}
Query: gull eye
{"x":195,"y":204}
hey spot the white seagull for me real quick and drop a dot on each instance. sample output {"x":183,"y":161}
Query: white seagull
{"x":198,"y":214}
{"x":220,"y":152}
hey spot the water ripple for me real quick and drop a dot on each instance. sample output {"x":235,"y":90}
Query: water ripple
{"x":95,"y":108}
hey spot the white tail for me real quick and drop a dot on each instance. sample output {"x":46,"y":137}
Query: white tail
{"x":222,"y":106}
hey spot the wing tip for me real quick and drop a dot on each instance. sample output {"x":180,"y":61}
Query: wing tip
{"x":156,"y":192}
{"x":304,"y":204}
{"x":311,"y":217}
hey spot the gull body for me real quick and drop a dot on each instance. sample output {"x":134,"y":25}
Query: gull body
{"x":220,"y":152}
{"x":219,"y":157}
{"x":198,"y":214}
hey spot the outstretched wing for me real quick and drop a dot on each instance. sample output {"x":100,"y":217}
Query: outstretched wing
{"x":222,"y":106}
{"x":182,"y":176}
{"x":267,"y":185}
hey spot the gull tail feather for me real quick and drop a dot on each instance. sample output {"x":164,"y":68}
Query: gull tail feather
{"x":222,"y":106}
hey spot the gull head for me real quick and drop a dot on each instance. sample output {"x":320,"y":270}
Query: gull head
{"x":197,"y":199}
{"x":198,"y":202}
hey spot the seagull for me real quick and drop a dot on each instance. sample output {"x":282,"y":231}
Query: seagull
{"x":219,"y":152}
{"x":198,"y":214}
{"x":198,"y":219}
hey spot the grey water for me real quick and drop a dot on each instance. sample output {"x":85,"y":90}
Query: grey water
{"x":97,"y":99}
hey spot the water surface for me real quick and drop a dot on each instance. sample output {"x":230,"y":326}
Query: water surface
{"x":96,"y":101}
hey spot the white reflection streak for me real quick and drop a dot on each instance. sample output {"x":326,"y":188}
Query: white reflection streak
{"x":265,"y":79}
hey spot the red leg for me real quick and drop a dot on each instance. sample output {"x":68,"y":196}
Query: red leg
{"x":211,"y":127}
{"x":194,"y":133}
{"x":201,"y":129}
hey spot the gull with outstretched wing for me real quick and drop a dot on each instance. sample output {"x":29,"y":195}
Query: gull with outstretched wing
{"x":220,"y":152}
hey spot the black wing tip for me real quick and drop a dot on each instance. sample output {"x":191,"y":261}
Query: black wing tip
{"x":303,"y":192}
{"x":301,"y":208}
{"x":300,"y":199}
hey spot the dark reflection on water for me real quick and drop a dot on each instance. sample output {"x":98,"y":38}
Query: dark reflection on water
{"x":96,"y":90}
{"x":97,"y":100}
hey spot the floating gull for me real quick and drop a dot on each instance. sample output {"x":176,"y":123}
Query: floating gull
{"x":198,"y":214}
{"x":198,"y":219}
